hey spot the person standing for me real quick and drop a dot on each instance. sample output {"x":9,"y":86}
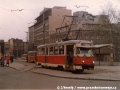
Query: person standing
{"x":2,"y":61}
{"x":11,"y":59}
{"x":7,"y":60}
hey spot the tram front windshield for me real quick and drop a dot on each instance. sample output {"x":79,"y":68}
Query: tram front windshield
{"x":84,"y":51}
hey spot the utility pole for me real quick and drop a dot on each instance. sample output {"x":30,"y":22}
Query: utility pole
{"x":44,"y":33}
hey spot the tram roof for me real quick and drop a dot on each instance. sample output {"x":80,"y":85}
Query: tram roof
{"x":65,"y":42}
{"x":101,"y":45}
{"x":31,"y":51}
{"x":24,"y":54}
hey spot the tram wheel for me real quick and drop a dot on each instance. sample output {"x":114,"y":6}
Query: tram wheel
{"x":60,"y":68}
{"x":78,"y":71}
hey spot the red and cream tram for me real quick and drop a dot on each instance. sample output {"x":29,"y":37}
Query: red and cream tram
{"x":74,"y":55}
{"x":31,"y":56}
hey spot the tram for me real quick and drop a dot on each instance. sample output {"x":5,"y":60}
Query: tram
{"x":73,"y":55}
{"x":31,"y":56}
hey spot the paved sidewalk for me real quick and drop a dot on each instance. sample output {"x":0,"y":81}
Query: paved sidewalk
{"x":21,"y":67}
{"x":107,"y":73}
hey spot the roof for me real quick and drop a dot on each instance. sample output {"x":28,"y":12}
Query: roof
{"x":101,"y":45}
{"x":77,"y":41}
{"x":65,"y":42}
{"x":31,"y":51}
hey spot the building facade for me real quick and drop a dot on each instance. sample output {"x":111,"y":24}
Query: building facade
{"x":26,"y":47}
{"x":51,"y":26}
{"x":98,"y":29}
{"x":1,"y":47}
{"x":6,"y":48}
{"x":16,"y":47}
{"x":31,"y":38}
{"x":47,"y":22}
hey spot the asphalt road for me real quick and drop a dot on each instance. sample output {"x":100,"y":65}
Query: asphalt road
{"x":13,"y":79}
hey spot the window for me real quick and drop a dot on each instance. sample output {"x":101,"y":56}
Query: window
{"x":92,"y":37}
{"x":56,"y":50}
{"x":84,"y":51}
{"x":86,"y":37}
{"x":41,"y":51}
{"x":51,"y":51}
{"x":98,"y":37}
{"x":61,"y":49}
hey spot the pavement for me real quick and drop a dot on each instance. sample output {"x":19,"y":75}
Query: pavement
{"x":103,"y":72}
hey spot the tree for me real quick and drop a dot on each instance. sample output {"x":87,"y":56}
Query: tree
{"x":113,"y":14}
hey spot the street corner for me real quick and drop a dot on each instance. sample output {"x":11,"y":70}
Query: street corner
{"x":17,"y":66}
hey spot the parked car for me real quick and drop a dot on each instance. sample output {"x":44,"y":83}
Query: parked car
{"x":24,"y":56}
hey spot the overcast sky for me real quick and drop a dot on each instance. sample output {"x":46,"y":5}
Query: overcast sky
{"x":15,"y":24}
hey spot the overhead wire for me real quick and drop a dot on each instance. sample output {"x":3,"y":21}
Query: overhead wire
{"x":20,"y":18}
{"x":12,"y":11}
{"x":4,"y":8}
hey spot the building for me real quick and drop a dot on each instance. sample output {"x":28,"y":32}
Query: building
{"x":26,"y":47}
{"x":16,"y":47}
{"x":51,"y":26}
{"x":31,"y":38}
{"x":47,"y":22}
{"x":1,"y":47}
{"x":98,"y":29}
{"x":6,"y":48}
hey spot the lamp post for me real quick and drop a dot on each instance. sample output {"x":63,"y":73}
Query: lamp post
{"x":111,"y":54}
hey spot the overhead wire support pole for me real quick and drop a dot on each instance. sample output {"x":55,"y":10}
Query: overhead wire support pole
{"x":78,"y":33}
{"x":66,"y":25}
{"x":70,"y":26}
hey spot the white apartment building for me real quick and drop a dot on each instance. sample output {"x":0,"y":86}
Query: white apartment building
{"x":47,"y":22}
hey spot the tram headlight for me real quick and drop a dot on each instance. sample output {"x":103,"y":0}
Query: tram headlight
{"x":93,"y":62}
{"x":83,"y":61}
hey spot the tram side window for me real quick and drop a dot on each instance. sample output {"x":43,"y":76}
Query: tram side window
{"x":51,"y":51}
{"x":38,"y":51}
{"x":41,"y":51}
{"x":61,"y":49}
{"x":56,"y":50}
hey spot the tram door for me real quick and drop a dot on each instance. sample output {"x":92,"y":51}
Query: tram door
{"x":69,"y":56}
{"x":46,"y":56}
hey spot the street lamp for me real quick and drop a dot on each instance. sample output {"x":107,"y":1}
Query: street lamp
{"x":111,"y":54}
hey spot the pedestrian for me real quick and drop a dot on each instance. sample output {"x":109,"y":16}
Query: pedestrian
{"x":7,"y":60}
{"x":2,"y":61}
{"x":11,"y":58}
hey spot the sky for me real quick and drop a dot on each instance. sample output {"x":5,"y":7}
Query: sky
{"x":15,"y":23}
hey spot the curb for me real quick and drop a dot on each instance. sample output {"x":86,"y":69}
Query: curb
{"x":96,"y":79}
{"x":27,"y":68}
